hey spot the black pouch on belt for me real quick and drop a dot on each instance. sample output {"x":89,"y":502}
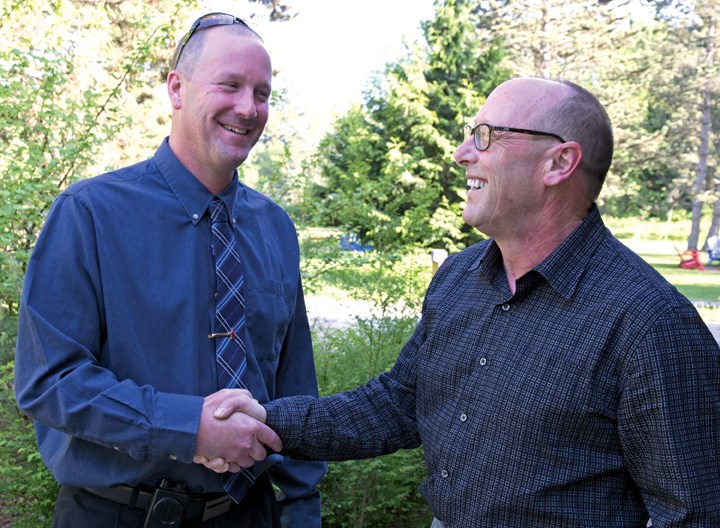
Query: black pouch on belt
{"x":167,"y":506}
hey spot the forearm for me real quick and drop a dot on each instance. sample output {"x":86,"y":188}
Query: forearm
{"x":67,"y":390}
{"x":367,"y":422}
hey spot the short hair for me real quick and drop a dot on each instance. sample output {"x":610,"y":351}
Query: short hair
{"x":582,"y":118}
{"x":194,"y":46}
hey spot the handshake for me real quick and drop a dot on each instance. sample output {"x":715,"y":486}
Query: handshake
{"x":232,"y":432}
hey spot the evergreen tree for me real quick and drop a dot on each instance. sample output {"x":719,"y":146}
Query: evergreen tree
{"x":387,"y":171}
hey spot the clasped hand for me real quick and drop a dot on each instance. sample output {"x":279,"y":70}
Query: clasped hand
{"x":232,"y":433}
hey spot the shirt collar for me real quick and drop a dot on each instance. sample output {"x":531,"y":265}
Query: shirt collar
{"x":193,"y":195}
{"x":563,"y":268}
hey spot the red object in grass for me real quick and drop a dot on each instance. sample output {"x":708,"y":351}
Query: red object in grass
{"x":690,"y":260}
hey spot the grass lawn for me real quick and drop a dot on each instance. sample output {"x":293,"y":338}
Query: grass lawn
{"x":701,"y":287}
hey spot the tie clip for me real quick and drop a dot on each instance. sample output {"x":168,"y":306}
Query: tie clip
{"x":230,"y":334}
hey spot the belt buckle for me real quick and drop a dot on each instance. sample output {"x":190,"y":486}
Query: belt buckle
{"x":216,"y":507}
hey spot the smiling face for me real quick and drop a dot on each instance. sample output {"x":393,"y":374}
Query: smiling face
{"x":221,"y":108}
{"x":506,"y":189}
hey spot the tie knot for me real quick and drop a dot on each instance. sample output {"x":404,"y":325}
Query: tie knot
{"x":218,"y":211}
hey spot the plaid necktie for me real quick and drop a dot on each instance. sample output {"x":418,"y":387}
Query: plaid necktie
{"x":229,"y":323}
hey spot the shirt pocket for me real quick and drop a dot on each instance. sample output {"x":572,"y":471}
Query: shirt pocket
{"x":268,"y":317}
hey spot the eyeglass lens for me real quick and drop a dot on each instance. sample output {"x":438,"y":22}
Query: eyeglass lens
{"x":480,"y":134}
{"x":482,"y":137}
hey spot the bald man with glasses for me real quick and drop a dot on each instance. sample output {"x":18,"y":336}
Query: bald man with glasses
{"x":555,"y":379}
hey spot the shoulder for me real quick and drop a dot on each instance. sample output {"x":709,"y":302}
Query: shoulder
{"x":456,"y":267}
{"x":262,"y":207}
{"x":628,"y":276}
{"x":466,"y":259}
{"x":97,"y":185}
{"x":641,"y":306}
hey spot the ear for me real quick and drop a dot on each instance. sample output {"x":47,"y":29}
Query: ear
{"x":174,"y":85}
{"x":564,"y":162}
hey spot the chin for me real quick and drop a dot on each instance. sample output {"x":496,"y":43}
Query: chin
{"x":235,"y":156}
{"x":469,"y":218}
{"x":474,"y":222}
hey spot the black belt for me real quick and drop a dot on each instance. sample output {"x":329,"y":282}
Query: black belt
{"x":202,"y":507}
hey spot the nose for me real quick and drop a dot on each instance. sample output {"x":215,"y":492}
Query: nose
{"x":464,"y":152}
{"x":245,"y":104}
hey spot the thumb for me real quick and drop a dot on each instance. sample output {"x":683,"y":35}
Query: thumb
{"x":268,"y":437}
{"x":239,"y":400}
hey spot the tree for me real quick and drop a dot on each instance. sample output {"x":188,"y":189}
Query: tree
{"x":705,"y":128}
{"x":387,"y":171}
{"x":684,"y":95}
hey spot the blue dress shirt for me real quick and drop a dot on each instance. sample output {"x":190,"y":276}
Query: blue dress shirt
{"x":113,"y":357}
{"x":588,"y":398}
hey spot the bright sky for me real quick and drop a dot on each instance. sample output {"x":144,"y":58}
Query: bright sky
{"x":329,"y":50}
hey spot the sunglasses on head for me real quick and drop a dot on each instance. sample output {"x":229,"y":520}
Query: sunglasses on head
{"x":204,"y":22}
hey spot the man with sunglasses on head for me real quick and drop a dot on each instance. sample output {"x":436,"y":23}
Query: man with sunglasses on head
{"x":153,"y":293}
{"x":555,"y":379}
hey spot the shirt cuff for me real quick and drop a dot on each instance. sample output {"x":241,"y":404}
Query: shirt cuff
{"x":285,"y":416}
{"x":174,"y":428}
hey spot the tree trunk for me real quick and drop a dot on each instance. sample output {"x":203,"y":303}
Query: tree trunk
{"x":701,"y":175}
{"x":715,"y":223}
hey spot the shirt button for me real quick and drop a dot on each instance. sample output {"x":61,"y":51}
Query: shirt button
{"x":233,"y":220}
{"x":463,"y":417}
{"x":173,"y":457}
{"x":195,"y":216}
{"x":505,"y":307}
{"x":483,"y":362}
{"x":444,"y":473}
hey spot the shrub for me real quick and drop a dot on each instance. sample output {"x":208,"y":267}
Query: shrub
{"x":376,"y":492}
{"x":27,"y":489}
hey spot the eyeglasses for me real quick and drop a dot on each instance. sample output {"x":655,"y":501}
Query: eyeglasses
{"x":206,"y":21}
{"x":482,"y":134}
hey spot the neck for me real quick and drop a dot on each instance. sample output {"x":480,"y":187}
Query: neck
{"x":528,"y":249}
{"x":213,"y":179}
{"x":212,"y":183}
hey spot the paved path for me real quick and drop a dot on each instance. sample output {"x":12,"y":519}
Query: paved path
{"x":335,"y":313}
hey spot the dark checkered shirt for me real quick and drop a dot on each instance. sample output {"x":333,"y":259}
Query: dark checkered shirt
{"x":589,"y":398}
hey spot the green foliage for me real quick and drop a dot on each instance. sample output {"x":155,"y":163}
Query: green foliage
{"x":387,"y":168}
{"x":394,"y":282}
{"x":378,"y":492}
{"x":346,"y":358}
{"x":66,"y":95}
{"x":383,"y":491}
{"x":27,"y":490}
